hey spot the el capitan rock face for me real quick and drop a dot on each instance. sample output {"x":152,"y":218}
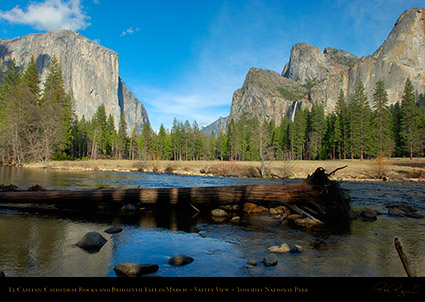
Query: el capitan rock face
{"x":312,"y":76}
{"x":90,"y":70}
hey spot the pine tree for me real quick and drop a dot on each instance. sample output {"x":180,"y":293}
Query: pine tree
{"x":133,"y":153}
{"x":32,"y":79}
{"x":111,"y":134}
{"x":101,"y":128}
{"x":382,"y":120}
{"x":54,"y":90}
{"x":232,"y":139}
{"x":315,"y":130}
{"x":332,"y":136}
{"x":57,"y":108}
{"x":223,"y":150}
{"x":145,"y":142}
{"x":299,"y":133}
{"x":396,"y":127}
{"x":360,"y":125}
{"x":344,"y":125}
{"x":162,"y":141}
{"x":122,"y":138}
{"x":11,"y":116}
{"x":410,"y":119}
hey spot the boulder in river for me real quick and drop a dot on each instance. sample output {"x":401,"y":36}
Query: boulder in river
{"x":235,"y":219}
{"x":219,"y":213}
{"x":250,"y":207}
{"x":180,"y":260}
{"x":127,"y":269}
{"x":403,"y":211}
{"x":91,"y":242}
{"x":367,"y":214}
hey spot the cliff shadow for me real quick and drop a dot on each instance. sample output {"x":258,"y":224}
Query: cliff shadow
{"x":42,"y":62}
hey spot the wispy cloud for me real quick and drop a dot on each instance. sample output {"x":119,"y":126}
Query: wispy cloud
{"x":223,"y":56}
{"x":129,"y":31}
{"x":202,"y":105}
{"x":49,"y":15}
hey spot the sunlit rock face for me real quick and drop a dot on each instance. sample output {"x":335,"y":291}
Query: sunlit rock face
{"x":315,"y":76}
{"x":90,"y":71}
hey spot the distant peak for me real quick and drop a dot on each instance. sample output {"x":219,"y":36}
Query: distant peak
{"x":409,"y":28}
{"x":409,"y":17}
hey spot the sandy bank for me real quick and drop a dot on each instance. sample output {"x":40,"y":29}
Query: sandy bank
{"x":392,"y":169}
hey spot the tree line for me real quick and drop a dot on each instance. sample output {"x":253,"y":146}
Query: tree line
{"x":356,"y":129}
{"x":40,"y":124}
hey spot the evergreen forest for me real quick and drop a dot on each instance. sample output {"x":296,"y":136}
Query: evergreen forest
{"x":40,"y":124}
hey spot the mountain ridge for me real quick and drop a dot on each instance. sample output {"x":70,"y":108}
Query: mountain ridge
{"x":315,"y":76}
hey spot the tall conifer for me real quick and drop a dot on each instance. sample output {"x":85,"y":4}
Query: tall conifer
{"x":382,"y":120}
{"x":410,"y":118}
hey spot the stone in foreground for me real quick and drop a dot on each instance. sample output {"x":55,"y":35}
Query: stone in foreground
{"x":127,"y":269}
{"x":91,"y":242}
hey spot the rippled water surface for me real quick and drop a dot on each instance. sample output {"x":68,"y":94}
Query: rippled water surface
{"x":39,"y":245}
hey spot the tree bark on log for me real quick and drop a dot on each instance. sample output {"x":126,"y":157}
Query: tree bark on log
{"x":317,"y":195}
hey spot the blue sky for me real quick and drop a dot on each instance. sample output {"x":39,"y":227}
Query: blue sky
{"x":185,"y":58}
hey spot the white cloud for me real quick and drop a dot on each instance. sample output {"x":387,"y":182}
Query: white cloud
{"x":49,"y":15}
{"x":129,"y":31}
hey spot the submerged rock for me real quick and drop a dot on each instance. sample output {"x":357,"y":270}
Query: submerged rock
{"x":252,"y":262}
{"x":403,"y":211}
{"x":368,"y":214}
{"x":113,"y":230}
{"x":286,"y":248}
{"x":307,"y":222}
{"x":283,"y":248}
{"x":270,"y":260}
{"x":92,"y":242}
{"x":180,"y":260}
{"x":127,"y":269}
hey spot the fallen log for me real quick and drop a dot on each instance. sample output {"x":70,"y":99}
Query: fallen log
{"x":317,"y":196}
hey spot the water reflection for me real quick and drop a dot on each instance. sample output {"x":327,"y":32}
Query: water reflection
{"x":95,"y":179}
{"x":43,"y":246}
{"x":37,"y":245}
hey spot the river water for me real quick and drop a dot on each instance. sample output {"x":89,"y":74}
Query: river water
{"x":43,"y":245}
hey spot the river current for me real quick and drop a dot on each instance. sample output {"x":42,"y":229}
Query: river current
{"x":40,"y":245}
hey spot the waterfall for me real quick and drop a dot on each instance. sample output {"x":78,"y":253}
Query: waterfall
{"x":294,"y":108}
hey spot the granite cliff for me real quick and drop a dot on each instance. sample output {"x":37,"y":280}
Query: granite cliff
{"x":312,"y":75}
{"x":90,"y":71}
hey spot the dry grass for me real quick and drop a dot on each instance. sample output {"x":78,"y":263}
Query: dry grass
{"x":393,"y":169}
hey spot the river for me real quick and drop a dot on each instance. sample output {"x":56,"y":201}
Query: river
{"x":40,"y":245}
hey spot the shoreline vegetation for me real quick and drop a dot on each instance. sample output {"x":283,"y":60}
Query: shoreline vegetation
{"x":381,"y":169}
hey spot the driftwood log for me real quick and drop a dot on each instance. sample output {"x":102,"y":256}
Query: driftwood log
{"x":317,"y":197}
{"x":410,"y":271}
